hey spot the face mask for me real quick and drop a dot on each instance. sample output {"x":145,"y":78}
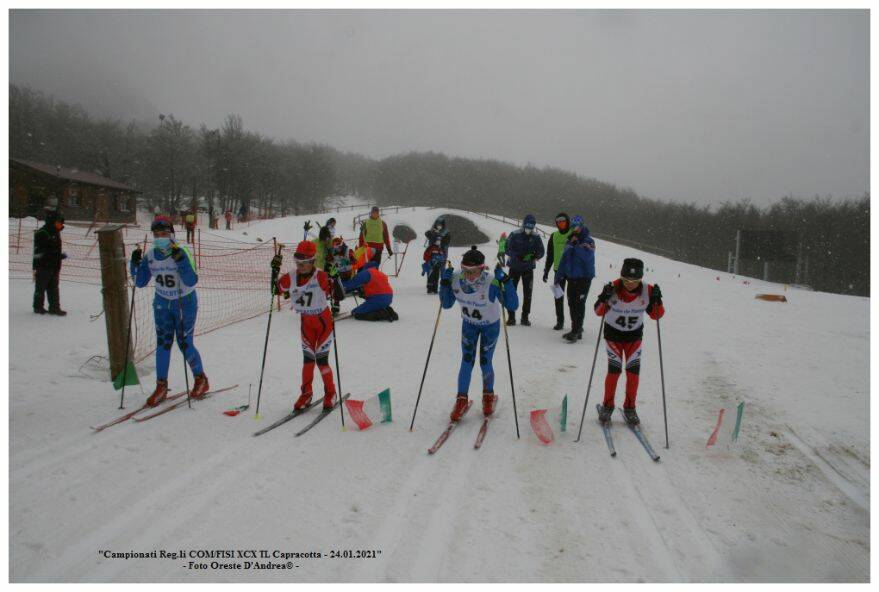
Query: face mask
{"x":529,"y":231}
{"x":59,"y":226}
{"x":162,"y":243}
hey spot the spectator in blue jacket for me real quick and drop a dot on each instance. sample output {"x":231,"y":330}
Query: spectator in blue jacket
{"x":524,"y":249}
{"x":577,"y":267}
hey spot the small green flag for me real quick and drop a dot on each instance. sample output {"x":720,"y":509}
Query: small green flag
{"x":739,"y":413}
{"x":563,"y":417}
{"x":127,"y":376}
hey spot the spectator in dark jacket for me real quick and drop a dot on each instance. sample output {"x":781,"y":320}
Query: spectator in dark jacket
{"x":436,"y":253}
{"x":524,"y":249}
{"x":577,"y":266}
{"x":47,"y":264}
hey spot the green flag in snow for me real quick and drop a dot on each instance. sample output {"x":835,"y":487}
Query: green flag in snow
{"x":128,"y":377}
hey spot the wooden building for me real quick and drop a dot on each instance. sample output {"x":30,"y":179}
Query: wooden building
{"x":80,"y":195}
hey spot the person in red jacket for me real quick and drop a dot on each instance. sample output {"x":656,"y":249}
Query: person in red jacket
{"x":310,"y":291}
{"x":377,"y":293}
{"x":623,"y":304}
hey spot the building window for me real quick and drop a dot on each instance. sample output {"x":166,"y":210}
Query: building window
{"x":121,"y":200}
{"x":73,"y":197}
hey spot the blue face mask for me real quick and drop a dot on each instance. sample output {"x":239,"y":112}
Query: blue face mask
{"x":162,"y":243}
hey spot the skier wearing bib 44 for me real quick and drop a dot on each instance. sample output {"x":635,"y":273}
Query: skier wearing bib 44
{"x":623,"y":304}
{"x":480,"y":298}
{"x":174,"y":269}
{"x":310,"y":291}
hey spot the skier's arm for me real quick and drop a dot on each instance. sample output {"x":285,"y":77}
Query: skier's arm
{"x":655,"y":309}
{"x":142,"y":275}
{"x":447,"y":297}
{"x":41,"y":239}
{"x":185,"y":267}
{"x":550,"y":255}
{"x":387,"y":237}
{"x":357,"y":281}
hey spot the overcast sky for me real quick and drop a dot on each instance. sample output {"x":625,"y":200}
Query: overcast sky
{"x":698,"y":106}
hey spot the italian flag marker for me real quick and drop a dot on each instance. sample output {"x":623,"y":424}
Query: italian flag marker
{"x":734,"y":436}
{"x":365,"y":413}
{"x":541,"y":426}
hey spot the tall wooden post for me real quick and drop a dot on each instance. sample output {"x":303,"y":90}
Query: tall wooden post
{"x":114,"y":287}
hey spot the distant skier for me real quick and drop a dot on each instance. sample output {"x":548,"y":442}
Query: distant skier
{"x":479,"y":297}
{"x":436,"y":253}
{"x":174,"y":269}
{"x":502,"y":250}
{"x":555,"y":245}
{"x":47,"y":264}
{"x":310,"y":294}
{"x":189,"y":220}
{"x":623,"y":304}
{"x":577,"y":267}
{"x":228,"y":217}
{"x":524,"y":248}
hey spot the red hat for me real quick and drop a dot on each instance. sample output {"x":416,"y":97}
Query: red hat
{"x":305,"y":250}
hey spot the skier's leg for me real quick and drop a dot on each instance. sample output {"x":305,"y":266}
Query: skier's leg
{"x":310,"y":329}
{"x":633,"y":371}
{"x":322,"y":356}
{"x":186,"y":342}
{"x":560,"y":305}
{"x":52,"y":291}
{"x":41,"y":282}
{"x":370,"y":309}
{"x":165,"y":317}
{"x":515,"y":276}
{"x":469,"y":336}
{"x":614,"y":369}
{"x":527,"y":287}
{"x":487,"y":342}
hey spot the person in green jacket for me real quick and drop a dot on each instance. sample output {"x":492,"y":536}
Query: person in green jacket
{"x":502,"y":249}
{"x":555,"y":244}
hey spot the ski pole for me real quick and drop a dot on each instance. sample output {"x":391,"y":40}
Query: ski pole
{"x":128,"y":342}
{"x":426,"y":362}
{"x":338,"y":374}
{"x":182,"y":342}
{"x":509,"y":359}
{"x":591,"y":372}
{"x":265,"y":346}
{"x":662,"y":380}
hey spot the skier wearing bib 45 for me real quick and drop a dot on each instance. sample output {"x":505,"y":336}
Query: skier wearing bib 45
{"x":174,"y":269}
{"x":310,"y":295}
{"x":480,"y":298}
{"x":623,"y":304}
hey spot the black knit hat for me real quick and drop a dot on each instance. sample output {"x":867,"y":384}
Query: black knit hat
{"x":565,"y":216}
{"x":473,"y":257}
{"x":632,"y":268}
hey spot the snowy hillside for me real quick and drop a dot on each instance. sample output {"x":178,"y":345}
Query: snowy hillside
{"x":788,"y":502}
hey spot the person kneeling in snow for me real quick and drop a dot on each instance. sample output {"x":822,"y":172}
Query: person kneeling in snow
{"x":623,"y":304}
{"x":175,"y":304}
{"x":372,"y":283}
{"x":479,"y":297}
{"x":310,"y":295}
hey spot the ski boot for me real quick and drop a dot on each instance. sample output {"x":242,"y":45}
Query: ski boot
{"x":40,"y":310}
{"x":631,"y":416}
{"x":200,"y":387}
{"x":604,"y":414}
{"x":488,"y":401}
{"x":57,"y":312}
{"x":559,"y":325}
{"x":570,"y":337}
{"x":460,"y":408}
{"x":394,"y":315}
{"x":511,"y":319}
{"x":302,"y":402}
{"x":329,"y":401}
{"x":525,"y":322}
{"x":159,"y":394}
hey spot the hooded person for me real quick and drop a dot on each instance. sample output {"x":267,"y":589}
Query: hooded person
{"x":331,"y":226}
{"x":47,"y":264}
{"x":480,"y":297}
{"x":577,"y":267}
{"x":623,"y":303}
{"x":175,"y":304}
{"x":310,"y":291}
{"x":555,"y":245}
{"x":436,"y":253}
{"x":524,"y":249}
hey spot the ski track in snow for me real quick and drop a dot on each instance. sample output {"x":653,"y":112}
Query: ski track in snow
{"x":788,"y":502}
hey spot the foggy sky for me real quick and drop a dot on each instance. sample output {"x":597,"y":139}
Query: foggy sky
{"x":698,"y":106}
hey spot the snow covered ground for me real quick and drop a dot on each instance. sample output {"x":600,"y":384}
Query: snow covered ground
{"x":789,"y":502}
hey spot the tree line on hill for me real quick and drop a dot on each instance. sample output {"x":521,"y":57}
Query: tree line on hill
{"x":170,"y":162}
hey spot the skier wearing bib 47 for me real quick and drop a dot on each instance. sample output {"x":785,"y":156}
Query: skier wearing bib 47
{"x":623,"y":304}
{"x":310,"y":294}
{"x":479,"y":296}
{"x":172,"y":266}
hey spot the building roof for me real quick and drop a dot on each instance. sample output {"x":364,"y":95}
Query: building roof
{"x":72,"y":174}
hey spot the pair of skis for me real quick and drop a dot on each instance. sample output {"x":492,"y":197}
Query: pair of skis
{"x":480,"y":436}
{"x":297,"y":412}
{"x":636,"y":429}
{"x":175,"y":397}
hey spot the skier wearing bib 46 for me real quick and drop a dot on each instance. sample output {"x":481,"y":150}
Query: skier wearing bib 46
{"x":174,"y":269}
{"x":479,"y":296}
{"x":623,"y":304}
{"x":310,"y":294}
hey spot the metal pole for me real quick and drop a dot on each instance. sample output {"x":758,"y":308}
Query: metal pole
{"x":662,"y":379}
{"x":738,"y":250}
{"x":589,"y":385}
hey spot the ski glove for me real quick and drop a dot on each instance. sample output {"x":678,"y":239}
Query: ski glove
{"x":499,"y":275}
{"x":447,"y":276}
{"x":655,"y":295}
{"x":136,"y":256}
{"x":545,"y":275}
{"x":606,"y":293}
{"x":176,"y":252}
{"x":307,"y":225}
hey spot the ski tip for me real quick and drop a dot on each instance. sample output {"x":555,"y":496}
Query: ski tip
{"x":613,"y":454}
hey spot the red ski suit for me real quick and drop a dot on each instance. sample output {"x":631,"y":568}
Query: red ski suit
{"x":316,"y":329}
{"x":623,"y":335}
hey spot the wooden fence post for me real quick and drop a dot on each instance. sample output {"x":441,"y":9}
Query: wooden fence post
{"x":114,"y":287}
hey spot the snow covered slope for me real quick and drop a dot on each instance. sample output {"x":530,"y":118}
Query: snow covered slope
{"x":789,"y":502}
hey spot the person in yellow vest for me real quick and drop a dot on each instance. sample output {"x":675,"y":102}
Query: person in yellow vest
{"x":189,"y":222}
{"x":374,"y":233}
{"x":555,"y":244}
